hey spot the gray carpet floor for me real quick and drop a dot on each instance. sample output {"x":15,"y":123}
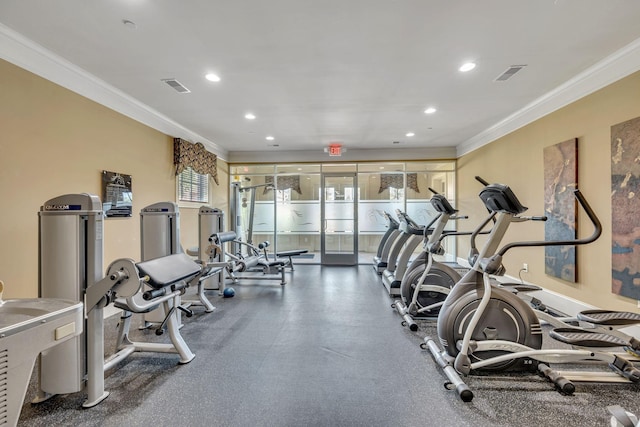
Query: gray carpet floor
{"x":324,"y":350}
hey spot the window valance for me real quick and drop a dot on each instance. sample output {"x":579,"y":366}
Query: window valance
{"x":196,"y":156}
{"x":284,"y":183}
{"x":395,"y":180}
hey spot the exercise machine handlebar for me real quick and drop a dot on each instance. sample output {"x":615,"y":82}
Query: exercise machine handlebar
{"x":588,"y":210}
{"x":481,"y":180}
{"x":156,"y":293}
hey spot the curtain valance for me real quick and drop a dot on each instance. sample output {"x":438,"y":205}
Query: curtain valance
{"x":186,"y":154}
{"x":284,"y":183}
{"x":395,"y":180}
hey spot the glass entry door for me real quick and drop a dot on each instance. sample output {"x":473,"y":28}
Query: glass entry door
{"x":339,"y":210}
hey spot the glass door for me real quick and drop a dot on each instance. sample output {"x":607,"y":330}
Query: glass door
{"x":339,"y":210}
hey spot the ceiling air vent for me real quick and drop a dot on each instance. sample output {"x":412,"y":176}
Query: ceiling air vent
{"x":176,"y":85}
{"x":509,"y":73}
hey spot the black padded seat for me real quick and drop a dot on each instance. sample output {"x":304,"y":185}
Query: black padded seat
{"x":291,"y":253}
{"x":166,"y":270}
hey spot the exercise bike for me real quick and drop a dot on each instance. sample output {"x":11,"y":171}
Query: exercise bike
{"x":482,"y":327}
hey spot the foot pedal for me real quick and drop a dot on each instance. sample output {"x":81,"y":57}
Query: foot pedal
{"x":609,"y":318}
{"x":584,"y":338}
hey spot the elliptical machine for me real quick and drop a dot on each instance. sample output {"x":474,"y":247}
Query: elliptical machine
{"x":403,"y":248}
{"x":482,"y":327}
{"x":380,"y":260}
{"x":427,"y":282}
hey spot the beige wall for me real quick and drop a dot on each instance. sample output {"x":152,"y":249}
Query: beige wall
{"x":56,"y":142}
{"x":517,"y":160}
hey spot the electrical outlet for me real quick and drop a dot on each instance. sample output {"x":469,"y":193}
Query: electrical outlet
{"x":525,"y":267}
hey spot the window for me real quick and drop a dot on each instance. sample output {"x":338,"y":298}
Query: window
{"x":396,"y":193}
{"x":283,"y":196}
{"x":193,"y":187}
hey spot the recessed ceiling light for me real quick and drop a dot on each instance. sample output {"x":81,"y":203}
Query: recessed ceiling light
{"x":212,"y":77}
{"x":249,"y":116}
{"x":269,"y":138}
{"x":410,"y":134}
{"x":430,"y":110}
{"x":467,"y":66}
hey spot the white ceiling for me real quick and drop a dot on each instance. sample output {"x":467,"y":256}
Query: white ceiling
{"x":358,"y":72}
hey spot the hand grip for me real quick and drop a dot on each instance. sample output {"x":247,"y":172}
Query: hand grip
{"x":153,"y":293}
{"x":481,"y":180}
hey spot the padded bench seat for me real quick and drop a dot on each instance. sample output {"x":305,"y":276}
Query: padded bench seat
{"x":169,"y":269}
{"x":290,"y":254}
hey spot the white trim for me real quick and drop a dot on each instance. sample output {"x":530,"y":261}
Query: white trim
{"x":612,"y":68}
{"x":29,"y":55}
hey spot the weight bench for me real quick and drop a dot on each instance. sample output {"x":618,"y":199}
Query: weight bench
{"x":168,"y":277}
{"x":256,"y":260}
{"x":290,"y":255}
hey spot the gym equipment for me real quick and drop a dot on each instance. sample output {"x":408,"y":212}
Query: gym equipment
{"x":27,"y":328}
{"x":622,"y":418}
{"x":256,"y":261}
{"x":160,"y":236}
{"x":427,"y":282}
{"x":70,"y":267}
{"x":70,"y":254}
{"x":380,"y":260}
{"x":605,"y":323}
{"x":168,"y":277}
{"x":483,"y":327}
{"x":210,"y":221}
{"x":402,"y":250}
{"x":236,"y":201}
{"x":229,"y":292}
{"x":290,"y":255}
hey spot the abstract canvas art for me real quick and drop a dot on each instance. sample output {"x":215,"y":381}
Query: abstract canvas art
{"x":625,"y":208}
{"x":560,"y":179}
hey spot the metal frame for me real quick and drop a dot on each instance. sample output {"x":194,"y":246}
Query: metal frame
{"x":342,"y":258}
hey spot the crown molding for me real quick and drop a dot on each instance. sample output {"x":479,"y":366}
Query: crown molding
{"x":611,"y":69}
{"x":31,"y":56}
